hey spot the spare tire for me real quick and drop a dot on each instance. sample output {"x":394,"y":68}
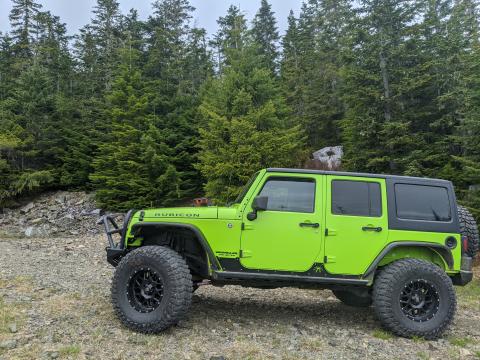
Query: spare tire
{"x":468,"y":230}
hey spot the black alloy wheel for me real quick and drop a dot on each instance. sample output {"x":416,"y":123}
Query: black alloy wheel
{"x":145,"y":290}
{"x":419,"y":300}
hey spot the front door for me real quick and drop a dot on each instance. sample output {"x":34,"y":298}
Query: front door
{"x":288,"y":235}
{"x":356,"y":223}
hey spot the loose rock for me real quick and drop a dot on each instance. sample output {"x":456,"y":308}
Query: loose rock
{"x":8,"y":344}
{"x":13,"y":328}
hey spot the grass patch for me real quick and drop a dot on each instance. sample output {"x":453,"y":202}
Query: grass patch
{"x":9,"y":314}
{"x":383,"y":335}
{"x":69,"y":351}
{"x":462,"y":342}
{"x":418,"y":339}
{"x":312,"y":344}
{"x":423,"y":356}
{"x":469,"y":293}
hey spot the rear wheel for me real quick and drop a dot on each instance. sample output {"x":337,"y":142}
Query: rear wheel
{"x":151,"y":289}
{"x":414,"y":298}
{"x":354,"y":298}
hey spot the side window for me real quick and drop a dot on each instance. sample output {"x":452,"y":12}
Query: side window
{"x":288,"y":194}
{"x":357,"y":198}
{"x":420,"y":202}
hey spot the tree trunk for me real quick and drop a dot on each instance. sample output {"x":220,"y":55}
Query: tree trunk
{"x":386,"y":88}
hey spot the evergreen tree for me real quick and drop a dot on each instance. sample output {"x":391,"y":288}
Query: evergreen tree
{"x":177,"y":65}
{"x":467,"y":173}
{"x":265,"y":34}
{"x":313,"y":58}
{"x":124,"y":177}
{"x":23,"y":20}
{"x":7,"y":62}
{"x":290,"y":65}
{"x":247,"y":123}
{"x":377,"y":131}
{"x":231,"y":36}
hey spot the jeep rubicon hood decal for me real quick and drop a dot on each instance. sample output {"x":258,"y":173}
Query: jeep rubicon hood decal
{"x":187,"y":212}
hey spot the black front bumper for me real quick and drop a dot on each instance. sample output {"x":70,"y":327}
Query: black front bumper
{"x":115,"y":251}
{"x":465,"y":275}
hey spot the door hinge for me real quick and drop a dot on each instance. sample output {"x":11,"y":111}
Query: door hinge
{"x":330,"y":259}
{"x":326,"y":232}
{"x":245,"y":254}
{"x":243,"y":228}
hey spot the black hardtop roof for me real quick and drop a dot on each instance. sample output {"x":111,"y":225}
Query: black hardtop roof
{"x":344,"y":173}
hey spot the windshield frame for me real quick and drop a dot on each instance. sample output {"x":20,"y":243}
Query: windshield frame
{"x":245,"y":189}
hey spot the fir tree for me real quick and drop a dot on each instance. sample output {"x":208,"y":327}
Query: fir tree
{"x":23,"y":20}
{"x":248,"y":125}
{"x":124,"y":177}
{"x":265,"y":34}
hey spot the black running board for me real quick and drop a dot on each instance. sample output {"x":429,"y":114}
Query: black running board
{"x":276,"y":278}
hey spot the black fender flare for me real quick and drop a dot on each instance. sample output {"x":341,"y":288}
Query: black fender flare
{"x":201,"y":238}
{"x":444,"y":251}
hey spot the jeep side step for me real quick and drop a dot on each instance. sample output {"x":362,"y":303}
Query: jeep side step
{"x":282,"y":278}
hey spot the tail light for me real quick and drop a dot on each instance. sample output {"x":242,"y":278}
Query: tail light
{"x":464,"y":243}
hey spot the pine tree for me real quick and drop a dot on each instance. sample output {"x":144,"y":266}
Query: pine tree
{"x":231,"y":36}
{"x":97,"y":46}
{"x":247,"y":123}
{"x":265,"y":34}
{"x":467,"y":171}
{"x":290,"y":65}
{"x":7,"y":61}
{"x":313,"y":59}
{"x":23,"y":20}
{"x":177,"y":65}
{"x":124,"y":177}
{"x":377,"y":131}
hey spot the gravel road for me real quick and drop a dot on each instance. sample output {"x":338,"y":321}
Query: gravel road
{"x":54,"y":303}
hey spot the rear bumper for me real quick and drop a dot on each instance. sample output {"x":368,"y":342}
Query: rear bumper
{"x":465,"y":275}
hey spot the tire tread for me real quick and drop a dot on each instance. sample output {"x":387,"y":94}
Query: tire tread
{"x":178,"y":273}
{"x":382,"y":297}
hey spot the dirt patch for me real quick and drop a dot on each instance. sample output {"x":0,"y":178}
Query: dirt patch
{"x":54,"y":303}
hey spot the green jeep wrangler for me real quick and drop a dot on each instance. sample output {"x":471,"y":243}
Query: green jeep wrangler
{"x":397,"y":243}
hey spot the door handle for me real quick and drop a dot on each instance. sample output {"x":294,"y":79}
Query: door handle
{"x":313,"y":225}
{"x":372,"y":228}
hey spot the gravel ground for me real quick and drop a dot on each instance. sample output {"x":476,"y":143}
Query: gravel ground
{"x":54,"y":303}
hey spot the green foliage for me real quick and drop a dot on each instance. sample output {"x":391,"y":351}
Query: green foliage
{"x":248,"y":126}
{"x":265,"y":35}
{"x":132,"y":169}
{"x":147,"y":114}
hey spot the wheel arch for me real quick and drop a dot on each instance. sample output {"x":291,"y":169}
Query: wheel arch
{"x":436,"y":253}
{"x":154,"y":230}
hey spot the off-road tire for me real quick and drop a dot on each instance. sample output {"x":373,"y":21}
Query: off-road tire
{"x":388,"y":287}
{"x":352,"y":299}
{"x":177,"y":289}
{"x":468,"y":228}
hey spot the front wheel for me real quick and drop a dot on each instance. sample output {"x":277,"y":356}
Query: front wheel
{"x":151,"y":289}
{"x":414,"y":298}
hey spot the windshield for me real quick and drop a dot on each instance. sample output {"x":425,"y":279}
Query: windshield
{"x":244,"y":191}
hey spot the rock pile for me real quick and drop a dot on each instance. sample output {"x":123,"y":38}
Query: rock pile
{"x":52,"y":214}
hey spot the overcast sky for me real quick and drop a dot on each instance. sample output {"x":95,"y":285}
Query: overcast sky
{"x":77,"y":13}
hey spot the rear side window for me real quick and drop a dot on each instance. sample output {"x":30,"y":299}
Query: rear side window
{"x":420,"y":202}
{"x":290,"y":194}
{"x":357,"y":198}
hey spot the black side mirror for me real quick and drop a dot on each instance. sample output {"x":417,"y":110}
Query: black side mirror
{"x":260,"y":203}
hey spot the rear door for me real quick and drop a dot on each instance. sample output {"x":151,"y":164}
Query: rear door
{"x":356,"y":223}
